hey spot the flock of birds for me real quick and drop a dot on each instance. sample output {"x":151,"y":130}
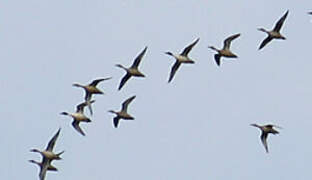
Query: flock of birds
{"x":48,"y":155}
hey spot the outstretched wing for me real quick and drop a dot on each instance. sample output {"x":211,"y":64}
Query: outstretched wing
{"x":88,"y":96}
{"x":96,"y":82}
{"x":174,"y":69}
{"x":77,"y":127}
{"x":116,"y":121}
{"x":124,"y":80}
{"x":53,"y":140}
{"x":126,"y":103}
{"x":264,"y":141}
{"x":80,"y":107}
{"x":90,"y":108}
{"x":139,"y":58}
{"x":265,"y":41}
{"x":189,"y":48}
{"x":280,"y":22}
{"x":227,"y":41}
{"x":44,"y":168}
{"x":217,"y":58}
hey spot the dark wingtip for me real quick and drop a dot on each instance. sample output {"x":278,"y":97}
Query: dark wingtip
{"x":169,"y":53}
{"x":64,"y":113}
{"x":260,"y":47}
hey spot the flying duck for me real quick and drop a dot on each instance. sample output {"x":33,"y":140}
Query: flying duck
{"x":48,"y":155}
{"x":133,"y":70}
{"x":265,"y":130}
{"x":79,"y":116}
{"x":181,"y":58}
{"x":275,"y":33}
{"x":91,"y":89}
{"x":123,"y":114}
{"x":225,"y":51}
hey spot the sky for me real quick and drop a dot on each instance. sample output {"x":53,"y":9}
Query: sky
{"x":196,"y":127}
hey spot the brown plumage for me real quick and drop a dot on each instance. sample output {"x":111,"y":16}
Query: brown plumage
{"x":133,"y":70}
{"x":91,"y":89}
{"x":123,"y":114}
{"x":275,"y":33}
{"x":225,"y":51}
{"x":181,"y":58}
{"x":48,"y":155}
{"x":265,"y":130}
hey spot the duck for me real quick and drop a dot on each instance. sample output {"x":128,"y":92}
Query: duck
{"x":48,"y":155}
{"x":133,"y":70}
{"x":91,"y":89}
{"x":40,"y":164}
{"x":225,"y":51}
{"x":265,"y":130}
{"x":123,"y":114}
{"x":79,"y":116}
{"x":181,"y":58}
{"x":44,"y":167}
{"x":275,"y":33}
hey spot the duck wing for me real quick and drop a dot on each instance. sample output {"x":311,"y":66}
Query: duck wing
{"x":124,"y":80}
{"x":44,"y":168}
{"x":126,"y":103}
{"x":80,"y":107}
{"x":174,"y":69}
{"x":189,"y":48}
{"x":265,"y":41}
{"x":264,"y":141}
{"x":139,"y":58}
{"x":217,"y":58}
{"x":227,"y":41}
{"x":280,"y":22}
{"x":116,"y":121}
{"x":77,"y":127}
{"x":96,"y":82}
{"x":53,"y":140}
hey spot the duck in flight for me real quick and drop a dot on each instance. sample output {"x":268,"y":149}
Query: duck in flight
{"x":41,"y":164}
{"x":91,"y":89}
{"x":181,"y":58}
{"x":225,"y":51}
{"x":48,"y":155}
{"x":79,"y":116}
{"x":123,"y":114}
{"x":275,"y":33}
{"x":133,"y":70}
{"x":265,"y":130}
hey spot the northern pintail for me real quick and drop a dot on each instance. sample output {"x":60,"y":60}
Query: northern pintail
{"x":275,"y":33}
{"x":79,"y":116}
{"x":123,"y":114}
{"x":133,"y":70}
{"x":181,"y":58}
{"x":91,"y":89}
{"x":225,"y":51}
{"x":265,"y":130}
{"x":48,"y":155}
{"x":40,"y":164}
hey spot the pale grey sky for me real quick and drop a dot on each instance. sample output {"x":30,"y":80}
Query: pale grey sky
{"x":196,"y":127}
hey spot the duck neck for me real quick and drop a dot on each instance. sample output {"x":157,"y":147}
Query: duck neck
{"x":213,"y":48}
{"x":78,"y":85}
